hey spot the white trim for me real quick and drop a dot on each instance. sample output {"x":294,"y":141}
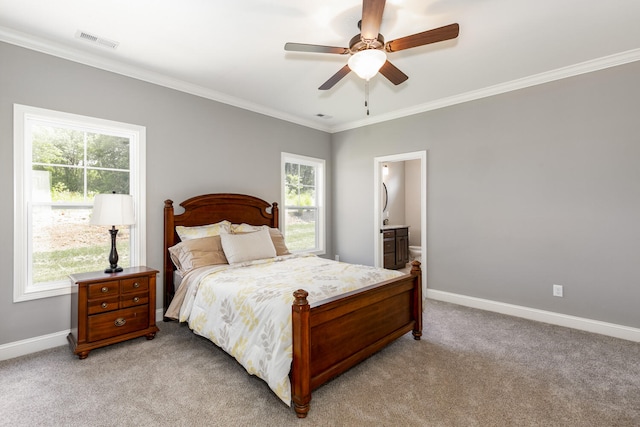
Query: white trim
{"x":537,"y":79}
{"x":55,"y":49}
{"x":32,"y":345}
{"x":44,"y":342}
{"x":22,"y":287}
{"x":378,"y":163}
{"x":320,"y":167}
{"x":580,"y":323}
{"x":45,"y":46}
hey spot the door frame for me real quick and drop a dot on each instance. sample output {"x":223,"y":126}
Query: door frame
{"x":378,"y":163}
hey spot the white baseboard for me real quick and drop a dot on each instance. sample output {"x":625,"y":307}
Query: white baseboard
{"x":56,"y":339}
{"x":580,"y":323}
{"x":32,"y":345}
{"x":43,"y":342}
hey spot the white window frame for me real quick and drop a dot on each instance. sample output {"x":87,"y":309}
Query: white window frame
{"x":319,"y":165}
{"x":23,"y":288}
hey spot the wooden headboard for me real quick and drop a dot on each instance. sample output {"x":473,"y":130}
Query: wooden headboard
{"x":209,"y":209}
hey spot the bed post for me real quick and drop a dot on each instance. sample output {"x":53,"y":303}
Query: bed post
{"x":276,"y":217}
{"x":416,"y":272}
{"x":301,"y":365}
{"x":169,"y":237}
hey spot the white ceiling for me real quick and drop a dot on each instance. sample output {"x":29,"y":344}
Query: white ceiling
{"x":233,"y":51}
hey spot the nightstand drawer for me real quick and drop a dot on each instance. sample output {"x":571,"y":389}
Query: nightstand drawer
{"x":130,"y":300}
{"x":103,"y":305}
{"x":135,"y":285}
{"x":119,"y":322}
{"x":104,"y":289}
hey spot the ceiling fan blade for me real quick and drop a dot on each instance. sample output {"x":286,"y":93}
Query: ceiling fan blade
{"x":392,"y":73}
{"x":426,"y":37}
{"x":335,"y":78}
{"x":371,"y":18}
{"x":314,"y":48}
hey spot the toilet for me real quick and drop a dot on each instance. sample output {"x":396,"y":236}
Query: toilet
{"x":415,"y":253}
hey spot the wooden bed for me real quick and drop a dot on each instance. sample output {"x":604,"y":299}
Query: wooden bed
{"x":330,"y":336}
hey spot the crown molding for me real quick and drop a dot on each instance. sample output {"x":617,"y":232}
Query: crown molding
{"x":58,"y":50}
{"x":114,"y":66}
{"x":534,"y":80}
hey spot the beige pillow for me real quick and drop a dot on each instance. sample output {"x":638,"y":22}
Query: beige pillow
{"x":248,"y":247}
{"x":278,"y":242}
{"x":276,"y":235}
{"x":198,"y":232}
{"x":196,"y":253}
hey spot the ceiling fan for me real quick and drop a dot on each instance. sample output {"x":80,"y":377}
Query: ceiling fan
{"x":368,"y":49}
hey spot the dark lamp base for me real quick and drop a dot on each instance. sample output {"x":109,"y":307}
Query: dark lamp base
{"x":113,"y":255}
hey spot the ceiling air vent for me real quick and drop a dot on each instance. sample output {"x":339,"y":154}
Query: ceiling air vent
{"x":101,"y":41}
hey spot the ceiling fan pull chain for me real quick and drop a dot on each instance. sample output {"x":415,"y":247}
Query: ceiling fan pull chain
{"x":366,"y":96}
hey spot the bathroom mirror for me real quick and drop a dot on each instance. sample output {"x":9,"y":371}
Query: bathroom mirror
{"x":385,"y":197}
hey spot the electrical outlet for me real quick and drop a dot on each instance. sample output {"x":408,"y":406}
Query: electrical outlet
{"x":338,"y":258}
{"x":557,"y":291}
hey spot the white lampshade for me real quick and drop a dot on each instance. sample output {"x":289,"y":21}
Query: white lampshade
{"x":113,"y":209}
{"x":367,"y":63}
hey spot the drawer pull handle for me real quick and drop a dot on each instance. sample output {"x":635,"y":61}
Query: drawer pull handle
{"x":136,"y":299}
{"x":136,"y":285}
{"x":104,"y":305}
{"x":104,"y":289}
{"x":120,"y":321}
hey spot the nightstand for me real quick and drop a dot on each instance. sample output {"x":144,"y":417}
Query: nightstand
{"x":108,"y":308}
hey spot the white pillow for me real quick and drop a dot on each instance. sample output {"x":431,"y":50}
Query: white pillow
{"x":188,"y":233}
{"x":248,"y":247}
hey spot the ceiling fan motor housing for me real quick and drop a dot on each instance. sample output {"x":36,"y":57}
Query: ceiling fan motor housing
{"x":358,"y":43}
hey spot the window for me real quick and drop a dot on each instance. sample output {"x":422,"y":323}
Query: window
{"x":61,"y":161}
{"x":303,"y":195}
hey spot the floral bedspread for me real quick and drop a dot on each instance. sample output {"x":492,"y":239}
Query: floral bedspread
{"x":246,"y":309}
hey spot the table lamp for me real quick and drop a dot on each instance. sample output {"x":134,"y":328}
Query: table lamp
{"x":113,"y":209}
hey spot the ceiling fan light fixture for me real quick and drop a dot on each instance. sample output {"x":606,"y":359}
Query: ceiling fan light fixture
{"x":366,"y":63}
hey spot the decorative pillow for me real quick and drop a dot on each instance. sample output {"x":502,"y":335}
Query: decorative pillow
{"x":196,"y":253}
{"x":245,"y":228}
{"x":188,"y":233}
{"x":276,"y":235}
{"x":248,"y":247}
{"x":278,"y":242}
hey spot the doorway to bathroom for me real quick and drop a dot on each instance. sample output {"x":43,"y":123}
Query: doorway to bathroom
{"x":400,"y":200}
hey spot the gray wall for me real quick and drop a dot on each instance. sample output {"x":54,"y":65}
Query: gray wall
{"x":525,"y":189}
{"x":194,"y":146}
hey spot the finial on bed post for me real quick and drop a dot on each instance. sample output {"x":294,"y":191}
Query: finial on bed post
{"x":276,"y":216}
{"x":415,"y":267}
{"x":300,"y":297}
{"x":301,"y":364}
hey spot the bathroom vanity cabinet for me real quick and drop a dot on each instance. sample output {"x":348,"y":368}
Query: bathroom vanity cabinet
{"x":396,"y":246}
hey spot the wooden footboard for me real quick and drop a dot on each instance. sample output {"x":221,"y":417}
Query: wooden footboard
{"x":335,"y":334}
{"x":330,"y":336}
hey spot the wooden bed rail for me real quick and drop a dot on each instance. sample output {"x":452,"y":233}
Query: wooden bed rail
{"x":329,"y":336}
{"x":332,"y":335}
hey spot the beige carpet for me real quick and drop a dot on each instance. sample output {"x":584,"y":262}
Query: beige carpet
{"x":472,"y":368}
